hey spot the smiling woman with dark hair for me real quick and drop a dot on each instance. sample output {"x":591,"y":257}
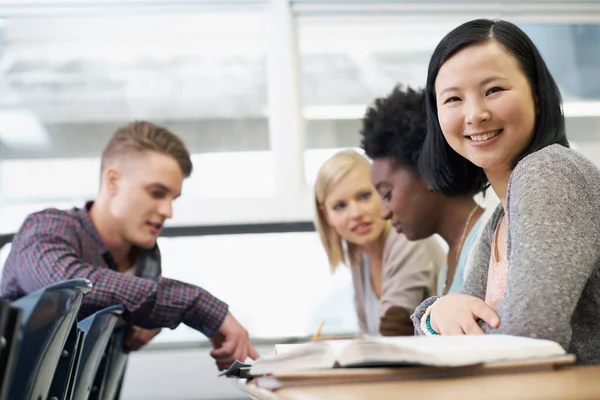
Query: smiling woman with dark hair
{"x":494,"y":115}
{"x":393,"y":131}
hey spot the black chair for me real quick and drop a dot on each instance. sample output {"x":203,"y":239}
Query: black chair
{"x":111,"y":372}
{"x":48,"y":321}
{"x":63,"y":382}
{"x":10,"y":319}
{"x":98,"y":329}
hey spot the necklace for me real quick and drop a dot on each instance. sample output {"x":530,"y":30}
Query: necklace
{"x":461,"y":243}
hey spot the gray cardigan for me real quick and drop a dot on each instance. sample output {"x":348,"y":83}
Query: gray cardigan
{"x":553,"y":288}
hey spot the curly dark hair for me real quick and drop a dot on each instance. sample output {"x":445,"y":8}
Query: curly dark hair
{"x":395,"y":126}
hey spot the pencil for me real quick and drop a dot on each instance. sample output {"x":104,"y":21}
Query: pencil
{"x":318,"y":332}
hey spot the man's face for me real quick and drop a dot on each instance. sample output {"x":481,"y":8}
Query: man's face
{"x":142,"y":189}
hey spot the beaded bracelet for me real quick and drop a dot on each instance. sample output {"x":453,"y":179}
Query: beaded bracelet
{"x":429,"y":328}
{"x":426,"y":322}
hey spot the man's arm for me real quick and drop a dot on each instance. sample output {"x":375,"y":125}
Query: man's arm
{"x":46,"y":253}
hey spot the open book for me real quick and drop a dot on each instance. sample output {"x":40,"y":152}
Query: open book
{"x":437,"y":351}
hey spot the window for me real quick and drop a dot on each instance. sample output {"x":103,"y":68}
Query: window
{"x":314,"y":158}
{"x":30,"y":185}
{"x":202,"y":75}
{"x":347,"y":62}
{"x":345,"y":65}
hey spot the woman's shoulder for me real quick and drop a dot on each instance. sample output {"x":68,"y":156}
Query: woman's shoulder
{"x":399,"y":242}
{"x":553,"y":186}
{"x":398,"y":248}
{"x":556,"y":162}
{"x":555,"y":170}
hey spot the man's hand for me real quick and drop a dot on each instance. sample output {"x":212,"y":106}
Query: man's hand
{"x":231,"y":343}
{"x":138,"y":337}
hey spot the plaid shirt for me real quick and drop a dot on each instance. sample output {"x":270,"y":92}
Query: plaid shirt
{"x":56,"y":245}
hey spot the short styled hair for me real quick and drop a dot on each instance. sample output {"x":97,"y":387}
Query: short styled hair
{"x":143,"y":136}
{"x":447,"y":171}
{"x":395,"y":127}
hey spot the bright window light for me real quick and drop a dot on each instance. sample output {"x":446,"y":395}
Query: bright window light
{"x":216,"y":175}
{"x":278,"y":281}
{"x":21,"y":127}
{"x":357,"y":111}
{"x":314,"y":158}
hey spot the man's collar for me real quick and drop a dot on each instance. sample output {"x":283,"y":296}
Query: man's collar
{"x":148,"y":263}
{"x":89,"y":226}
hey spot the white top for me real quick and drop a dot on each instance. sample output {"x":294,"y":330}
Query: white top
{"x":372,"y":303}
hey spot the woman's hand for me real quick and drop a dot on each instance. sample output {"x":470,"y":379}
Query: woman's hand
{"x":458,"y":314}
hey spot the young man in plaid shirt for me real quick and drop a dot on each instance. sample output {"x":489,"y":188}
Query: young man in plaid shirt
{"x":112,"y":242}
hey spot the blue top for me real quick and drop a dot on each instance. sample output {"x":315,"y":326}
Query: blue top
{"x":457,"y":281}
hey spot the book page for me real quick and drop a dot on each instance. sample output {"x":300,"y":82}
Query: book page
{"x":295,"y":357}
{"x":470,"y":349}
{"x":335,"y":345}
{"x":461,"y":343}
{"x":440,"y":351}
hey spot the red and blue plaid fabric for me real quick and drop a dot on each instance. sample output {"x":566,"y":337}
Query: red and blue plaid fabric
{"x":56,"y":245}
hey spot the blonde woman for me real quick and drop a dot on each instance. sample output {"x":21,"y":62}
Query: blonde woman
{"x":391,"y":275}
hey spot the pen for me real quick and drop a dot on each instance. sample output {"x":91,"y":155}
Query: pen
{"x":318,"y":332}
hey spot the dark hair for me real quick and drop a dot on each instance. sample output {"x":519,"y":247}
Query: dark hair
{"x":140,"y":136}
{"x":394,"y":126}
{"x":447,"y":171}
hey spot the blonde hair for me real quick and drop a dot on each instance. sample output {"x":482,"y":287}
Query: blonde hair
{"x":140,"y":136}
{"x":329,"y":175}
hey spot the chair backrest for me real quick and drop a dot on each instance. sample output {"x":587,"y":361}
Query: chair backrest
{"x":48,"y":317}
{"x":4,"y":252}
{"x":97,"y":329}
{"x":10,"y":319}
{"x":112,"y":369}
{"x":63,"y":381}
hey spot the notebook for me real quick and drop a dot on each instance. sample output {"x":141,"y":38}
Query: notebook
{"x":435,"y":351}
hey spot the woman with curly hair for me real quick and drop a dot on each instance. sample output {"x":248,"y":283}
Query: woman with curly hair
{"x":393,"y":131}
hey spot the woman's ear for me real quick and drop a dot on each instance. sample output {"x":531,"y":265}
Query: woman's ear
{"x":427,"y":185}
